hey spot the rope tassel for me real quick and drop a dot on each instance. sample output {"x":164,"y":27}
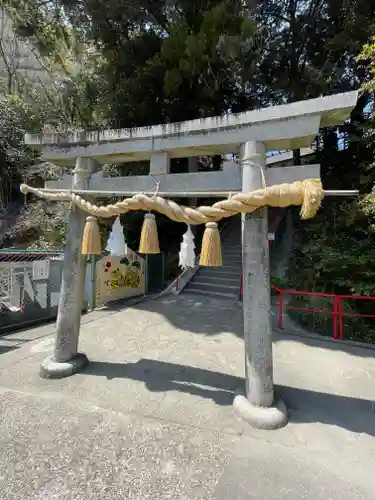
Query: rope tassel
{"x":91,"y":244}
{"x":149,"y":242}
{"x":211,"y":247}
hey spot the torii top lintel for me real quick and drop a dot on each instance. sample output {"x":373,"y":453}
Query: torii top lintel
{"x":287,"y":126}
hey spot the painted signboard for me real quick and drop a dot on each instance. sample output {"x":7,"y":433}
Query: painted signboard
{"x":119,"y":277}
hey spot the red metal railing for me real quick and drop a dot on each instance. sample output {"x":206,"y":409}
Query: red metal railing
{"x":341,"y":314}
{"x":283,"y":306}
{"x":337,"y":313}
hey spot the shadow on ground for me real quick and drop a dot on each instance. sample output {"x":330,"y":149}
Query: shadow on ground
{"x":13,"y":341}
{"x":196,"y":314}
{"x":160,"y":376}
{"x":353,"y":414}
{"x":211,"y":316}
{"x":7,"y":348}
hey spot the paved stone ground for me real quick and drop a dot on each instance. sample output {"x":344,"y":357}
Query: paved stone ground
{"x":151,"y":416}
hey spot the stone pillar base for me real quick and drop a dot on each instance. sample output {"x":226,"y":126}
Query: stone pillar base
{"x":50,"y":368}
{"x":268,"y":418}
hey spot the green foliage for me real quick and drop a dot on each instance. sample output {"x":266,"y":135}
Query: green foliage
{"x":16,"y":116}
{"x":367,"y":58}
{"x":334,"y":252}
{"x":39,"y":226}
{"x":208,"y":53}
{"x":311,"y":46}
{"x":278,"y":282}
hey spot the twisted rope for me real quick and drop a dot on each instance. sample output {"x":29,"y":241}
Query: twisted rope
{"x":308,"y":193}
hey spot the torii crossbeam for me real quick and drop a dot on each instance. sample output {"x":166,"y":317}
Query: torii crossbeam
{"x":251,"y":135}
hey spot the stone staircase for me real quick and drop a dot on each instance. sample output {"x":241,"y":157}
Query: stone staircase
{"x":222,"y":281}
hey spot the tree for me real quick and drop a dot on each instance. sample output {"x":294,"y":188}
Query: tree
{"x":310,"y":47}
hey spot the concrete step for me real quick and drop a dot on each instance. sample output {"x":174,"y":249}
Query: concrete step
{"x":216,"y":287}
{"x":234,"y":266}
{"x":228,"y":267}
{"x":232,"y":260}
{"x":214,"y":279}
{"x":199,"y":291}
{"x":232,"y":263}
{"x":221,"y":275}
{"x":220,"y":272}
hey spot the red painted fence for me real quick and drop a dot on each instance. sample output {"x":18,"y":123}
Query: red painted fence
{"x":337,"y":314}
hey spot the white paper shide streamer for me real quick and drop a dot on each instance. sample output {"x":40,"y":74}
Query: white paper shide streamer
{"x":187,"y":254}
{"x":116,"y":242}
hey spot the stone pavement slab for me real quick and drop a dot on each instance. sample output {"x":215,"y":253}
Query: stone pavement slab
{"x":56,"y":449}
{"x":151,"y":415}
{"x":273,"y":472}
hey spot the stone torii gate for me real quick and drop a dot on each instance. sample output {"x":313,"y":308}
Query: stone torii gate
{"x":251,"y":135}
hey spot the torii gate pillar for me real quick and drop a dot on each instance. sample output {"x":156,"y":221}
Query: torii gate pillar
{"x":258,"y":406}
{"x":66,"y":360}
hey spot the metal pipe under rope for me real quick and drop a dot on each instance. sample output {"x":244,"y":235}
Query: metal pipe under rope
{"x":182,"y":194}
